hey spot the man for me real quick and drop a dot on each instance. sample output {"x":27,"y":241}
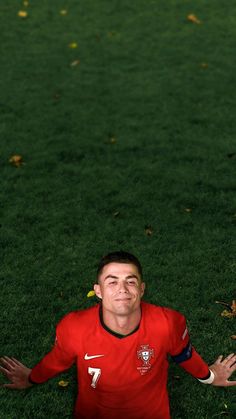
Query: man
{"x":120,"y":348}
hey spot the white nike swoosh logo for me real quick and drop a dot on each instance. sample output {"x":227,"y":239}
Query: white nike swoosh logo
{"x":86,"y":356}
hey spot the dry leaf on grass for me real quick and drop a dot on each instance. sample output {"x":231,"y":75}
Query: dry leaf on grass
{"x":63,"y":12}
{"x":233,"y":337}
{"x":111,"y":139}
{"x":230,"y":312}
{"x":91,"y":294}
{"x":148,"y":230}
{"x":63,"y":383}
{"x":16,"y":160}
{"x":188,"y":209}
{"x":75,"y":63}
{"x":73,"y":45}
{"x":227,"y":314}
{"x":194,"y":19}
{"x":23,"y":14}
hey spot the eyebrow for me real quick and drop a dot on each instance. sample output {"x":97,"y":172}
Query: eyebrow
{"x":116,"y":277}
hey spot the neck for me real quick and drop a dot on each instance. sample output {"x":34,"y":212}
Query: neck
{"x":122,"y":324}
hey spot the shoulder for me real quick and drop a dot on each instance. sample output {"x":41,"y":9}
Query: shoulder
{"x":74,"y":327}
{"x":78,"y":318}
{"x":173,"y":315}
{"x":163,"y":313}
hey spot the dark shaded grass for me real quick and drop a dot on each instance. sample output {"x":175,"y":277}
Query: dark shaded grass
{"x":140,"y":81}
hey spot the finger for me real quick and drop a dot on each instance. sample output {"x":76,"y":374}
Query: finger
{"x":5,"y":371}
{"x":219,"y":359}
{"x":17,"y":362}
{"x":11,"y":360}
{"x":232,"y":366}
{"x":2,"y":360}
{"x":232,"y":360}
{"x":8,"y":361}
{"x":231,"y":383}
{"x":228,"y":358}
{"x":7,"y":366}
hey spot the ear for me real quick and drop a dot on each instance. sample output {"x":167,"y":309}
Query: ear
{"x":97,"y":290}
{"x":143,"y":285}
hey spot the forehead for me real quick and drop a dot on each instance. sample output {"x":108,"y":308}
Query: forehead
{"x":119,"y":269}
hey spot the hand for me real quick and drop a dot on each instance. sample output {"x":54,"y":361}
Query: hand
{"x":16,"y":372}
{"x":223,"y":369}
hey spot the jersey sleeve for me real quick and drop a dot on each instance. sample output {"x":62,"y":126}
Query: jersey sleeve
{"x":181,"y":349}
{"x":59,"y":359}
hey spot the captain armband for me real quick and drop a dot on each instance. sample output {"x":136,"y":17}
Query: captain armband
{"x":184,"y":355}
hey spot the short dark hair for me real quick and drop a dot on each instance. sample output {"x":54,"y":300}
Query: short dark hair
{"x":119,"y":257}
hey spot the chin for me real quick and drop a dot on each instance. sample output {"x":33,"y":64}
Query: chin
{"x":124,"y":309}
{"x":124,"y":312}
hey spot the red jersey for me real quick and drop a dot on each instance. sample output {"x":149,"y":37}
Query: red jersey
{"x":121,"y":377}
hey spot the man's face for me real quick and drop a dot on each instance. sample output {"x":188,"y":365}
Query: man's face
{"x":120,"y":288}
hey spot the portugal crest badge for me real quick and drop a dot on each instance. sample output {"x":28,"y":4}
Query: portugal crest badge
{"x":145,"y":353}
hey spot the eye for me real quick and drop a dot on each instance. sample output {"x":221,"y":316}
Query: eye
{"x":131,"y":282}
{"x":112,"y":282}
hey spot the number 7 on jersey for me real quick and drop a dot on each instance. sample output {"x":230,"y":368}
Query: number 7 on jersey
{"x":95,"y":372}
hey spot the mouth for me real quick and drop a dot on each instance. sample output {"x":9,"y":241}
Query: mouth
{"x":123,"y":299}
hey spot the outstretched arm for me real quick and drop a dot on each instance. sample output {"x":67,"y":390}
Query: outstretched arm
{"x":17,"y":373}
{"x":60,"y":358}
{"x":186,"y":356}
{"x":22,"y":377}
{"x":223,"y":369}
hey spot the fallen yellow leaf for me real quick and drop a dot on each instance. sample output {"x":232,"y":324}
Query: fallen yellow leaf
{"x":192,"y":18}
{"x":226,"y":313}
{"x":75,"y":63}
{"x":16,"y":160}
{"x":73,"y":45}
{"x":63,"y":383}
{"x":231,"y":309}
{"x":91,"y":294}
{"x":22,"y":13}
{"x":63,"y":12}
{"x":148,"y":230}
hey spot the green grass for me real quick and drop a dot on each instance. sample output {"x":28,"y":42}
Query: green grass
{"x":141,"y":81}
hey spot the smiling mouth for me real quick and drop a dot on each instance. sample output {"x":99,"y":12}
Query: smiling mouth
{"x":122,"y":299}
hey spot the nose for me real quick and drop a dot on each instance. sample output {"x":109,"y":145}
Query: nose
{"x":122,"y":287}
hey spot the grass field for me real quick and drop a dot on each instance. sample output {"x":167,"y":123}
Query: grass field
{"x":124,"y":115}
